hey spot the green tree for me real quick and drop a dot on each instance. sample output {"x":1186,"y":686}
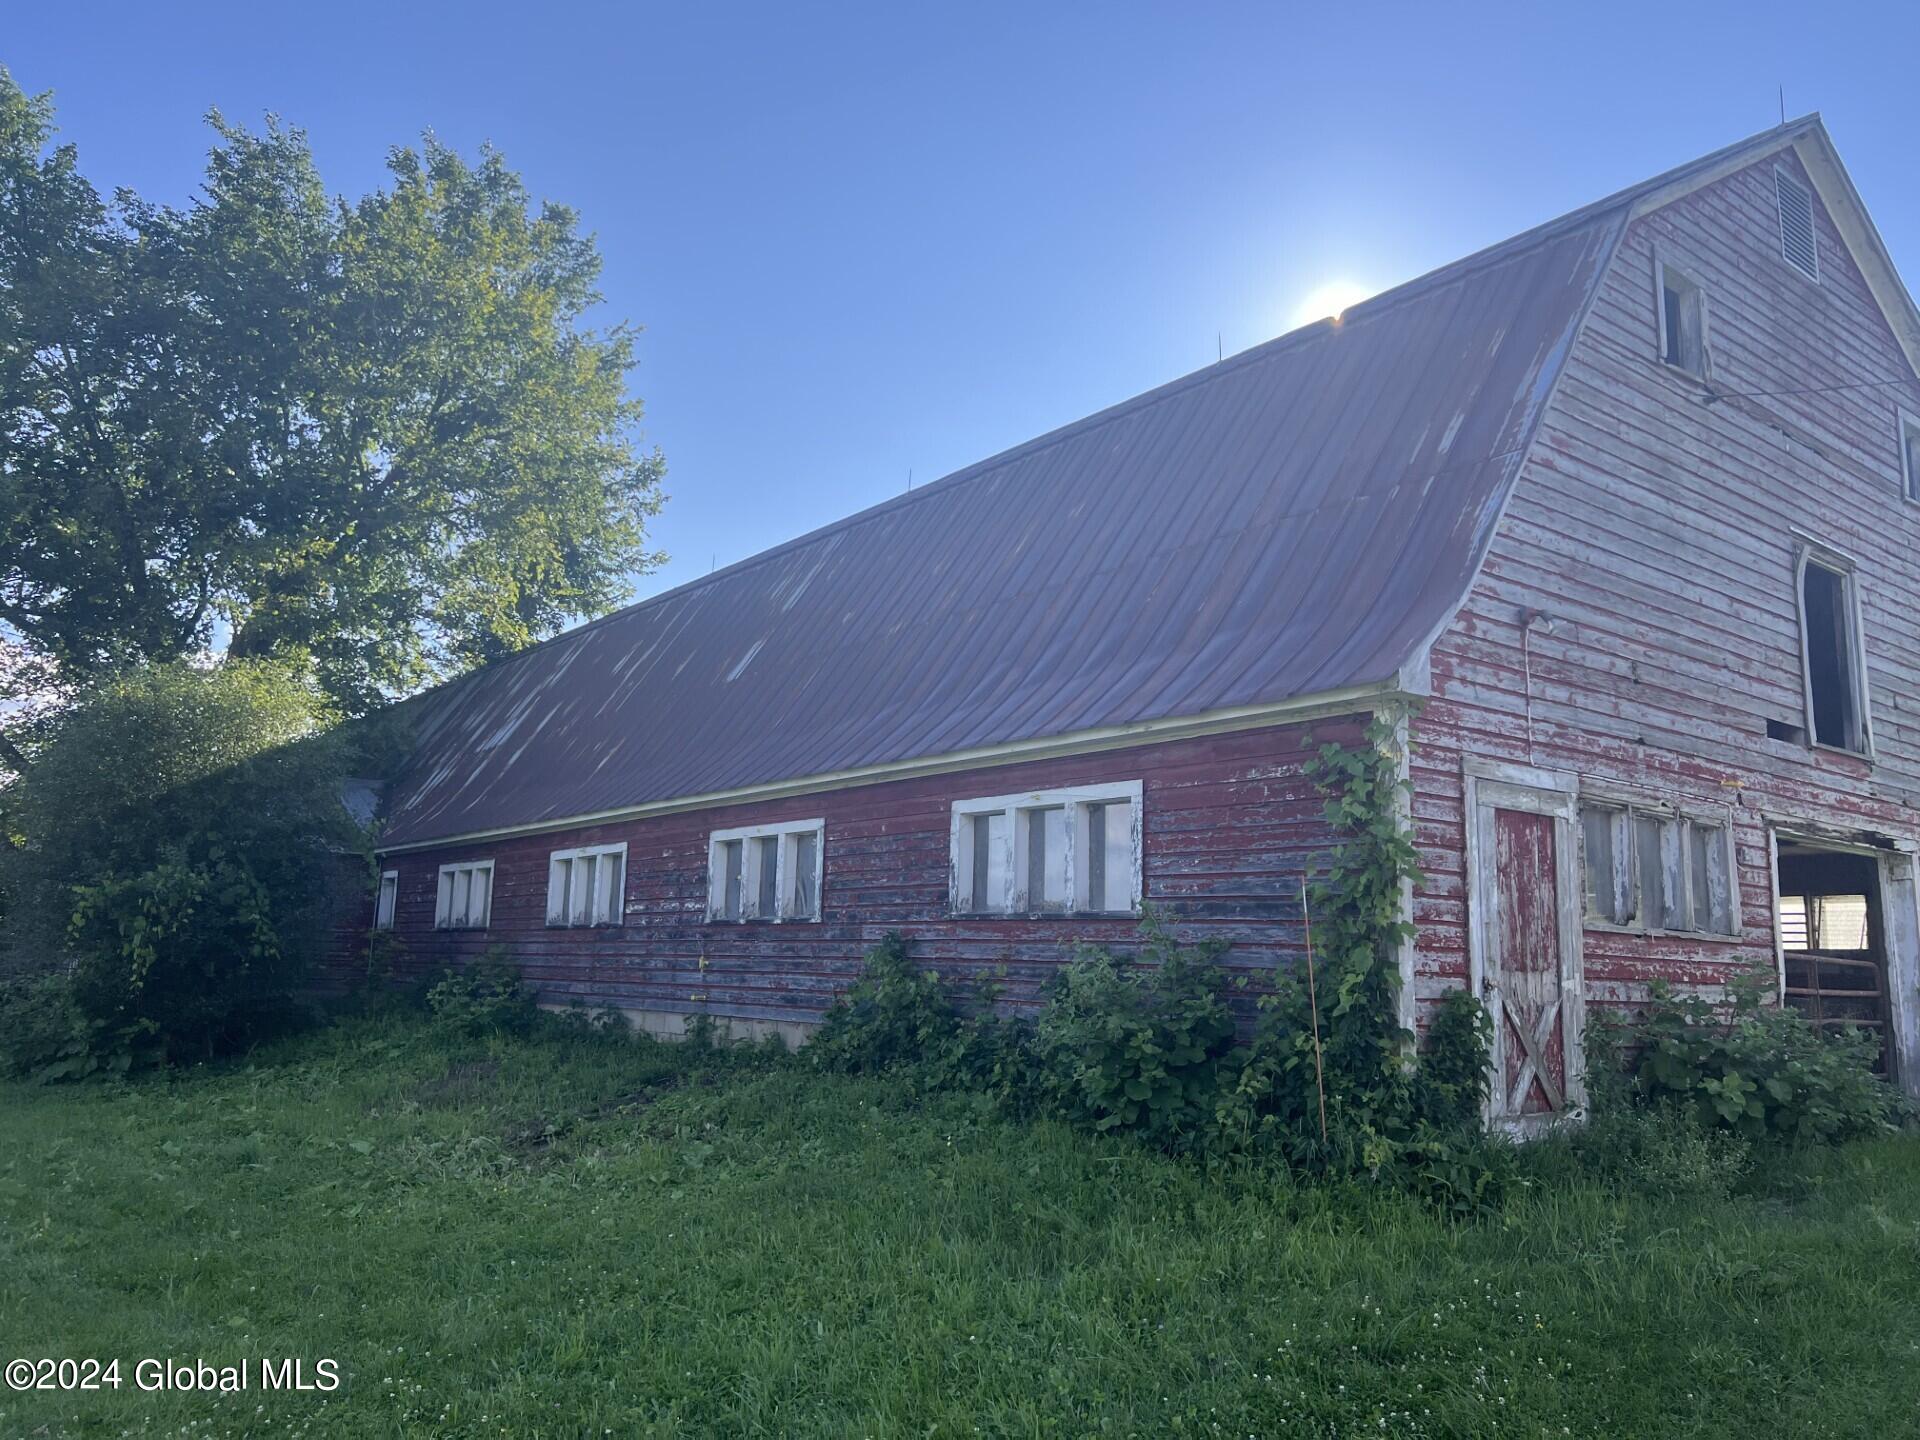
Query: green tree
{"x":374,"y":439}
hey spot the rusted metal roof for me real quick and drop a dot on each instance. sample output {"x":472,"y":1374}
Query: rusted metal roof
{"x":1296,"y":519}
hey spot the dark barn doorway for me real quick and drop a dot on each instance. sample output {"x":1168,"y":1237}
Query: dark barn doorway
{"x":1833,"y":940}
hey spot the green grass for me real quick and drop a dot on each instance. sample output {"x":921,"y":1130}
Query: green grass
{"x":540,"y":1238}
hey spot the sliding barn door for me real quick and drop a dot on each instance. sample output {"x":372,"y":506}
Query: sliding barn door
{"x":1525,"y":934}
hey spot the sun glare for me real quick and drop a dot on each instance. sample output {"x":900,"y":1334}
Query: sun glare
{"x":1328,"y":301}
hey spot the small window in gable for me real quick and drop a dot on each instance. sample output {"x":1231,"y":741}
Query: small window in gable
{"x":1797,"y":242}
{"x":1910,"y":454}
{"x":465,"y":897}
{"x":587,"y":886}
{"x":765,"y":872}
{"x":383,"y":906}
{"x":1049,"y":852}
{"x":1834,"y":660}
{"x":1683,"y":322}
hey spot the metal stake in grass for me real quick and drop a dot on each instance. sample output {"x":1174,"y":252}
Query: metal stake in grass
{"x":1313,"y":1008}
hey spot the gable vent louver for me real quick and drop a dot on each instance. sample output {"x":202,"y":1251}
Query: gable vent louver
{"x":1796,"y":226}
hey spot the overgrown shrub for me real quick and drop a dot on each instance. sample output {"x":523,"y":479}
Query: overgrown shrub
{"x":1451,"y":1084}
{"x":175,"y":846}
{"x":43,"y":1035}
{"x":1756,"y":1068}
{"x":487,"y":997}
{"x":179,"y":962}
{"x":895,"y":1014}
{"x":1135,"y":1048}
{"x":898,"y":1018}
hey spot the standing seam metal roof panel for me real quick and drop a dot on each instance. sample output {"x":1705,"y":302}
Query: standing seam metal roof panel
{"x":1297,"y":519}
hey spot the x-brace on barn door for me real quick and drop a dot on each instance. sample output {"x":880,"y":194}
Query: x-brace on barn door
{"x":1524,"y":935}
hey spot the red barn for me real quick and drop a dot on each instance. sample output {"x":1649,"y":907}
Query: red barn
{"x":1629,"y":504}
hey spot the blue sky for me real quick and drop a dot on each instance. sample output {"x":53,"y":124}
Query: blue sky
{"x":869,"y":241}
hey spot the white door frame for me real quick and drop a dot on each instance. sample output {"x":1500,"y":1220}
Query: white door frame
{"x":1899,"y":861}
{"x":1494,"y":785}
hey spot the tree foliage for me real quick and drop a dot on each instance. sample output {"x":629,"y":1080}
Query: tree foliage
{"x":374,"y":437}
{"x":175,"y":848}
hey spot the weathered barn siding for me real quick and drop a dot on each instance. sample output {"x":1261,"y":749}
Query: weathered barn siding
{"x":1230,"y":825}
{"x":1652,"y":533}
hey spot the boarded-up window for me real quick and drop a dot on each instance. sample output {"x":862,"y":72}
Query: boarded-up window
{"x":1835,"y":713}
{"x":1609,"y":885}
{"x":1650,"y":869}
{"x":587,"y":886}
{"x":767,"y":886}
{"x":1046,"y":858}
{"x":1683,"y":322}
{"x":765,"y":872}
{"x":383,"y":906}
{"x":1049,"y":852}
{"x":732,"y":867}
{"x":1109,"y":856}
{"x":464,"y":900}
{"x":805,"y":901}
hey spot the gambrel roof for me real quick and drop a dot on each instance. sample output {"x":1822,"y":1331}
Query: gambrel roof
{"x":1298,"y":520}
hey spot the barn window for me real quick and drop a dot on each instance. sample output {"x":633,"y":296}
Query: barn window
{"x":1683,"y":321}
{"x":465,"y":898}
{"x":1833,"y":660}
{"x":1049,"y":852}
{"x":587,"y":886}
{"x":1910,"y":455}
{"x":765,"y":872}
{"x":384,"y":905}
{"x":1797,"y":243}
{"x":1652,"y":868}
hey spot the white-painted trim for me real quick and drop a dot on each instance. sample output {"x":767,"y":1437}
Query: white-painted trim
{"x":1349,"y":700}
{"x":1484,"y":795}
{"x":1014,"y":898}
{"x":1773,"y":916}
{"x":1905,"y":423}
{"x":597,"y":913}
{"x":386,"y":900}
{"x":1830,"y":558}
{"x":1409,"y":946}
{"x":1899,"y":873}
{"x":443,"y":895}
{"x":1530,"y":777}
{"x":786,"y":858}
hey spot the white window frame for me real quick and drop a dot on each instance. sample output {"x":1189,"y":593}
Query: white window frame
{"x":786,"y":859}
{"x":1014,"y":899}
{"x":1811,"y":552}
{"x":1662,"y":263}
{"x":1625,"y":808}
{"x":600,"y":915}
{"x":386,"y":900}
{"x":1906,"y":423}
{"x":1782,"y":180}
{"x":442,"y":896}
